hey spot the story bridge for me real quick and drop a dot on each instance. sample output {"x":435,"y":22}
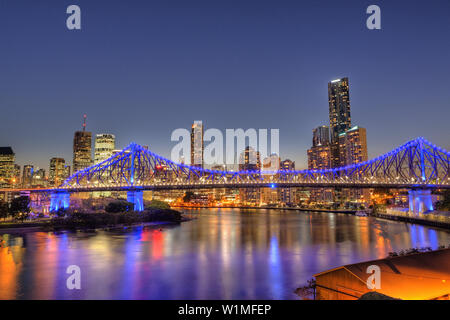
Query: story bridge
{"x":417,"y":165}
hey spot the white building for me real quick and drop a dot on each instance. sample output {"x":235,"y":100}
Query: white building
{"x":104,"y":146}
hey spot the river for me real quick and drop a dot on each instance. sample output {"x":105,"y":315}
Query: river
{"x":219,"y":254}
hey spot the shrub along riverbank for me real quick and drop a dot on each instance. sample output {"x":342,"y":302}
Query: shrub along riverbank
{"x":78,"y":220}
{"x":116,"y":213}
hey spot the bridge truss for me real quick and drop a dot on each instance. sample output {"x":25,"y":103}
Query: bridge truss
{"x":416,"y":164}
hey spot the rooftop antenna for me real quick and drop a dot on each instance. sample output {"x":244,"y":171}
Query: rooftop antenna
{"x":84,"y":122}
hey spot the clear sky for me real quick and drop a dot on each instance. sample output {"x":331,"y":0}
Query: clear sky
{"x":141,"y":69}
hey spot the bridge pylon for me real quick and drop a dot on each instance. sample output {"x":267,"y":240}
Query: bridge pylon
{"x":136,"y":197}
{"x":58,"y":200}
{"x":420,"y":201}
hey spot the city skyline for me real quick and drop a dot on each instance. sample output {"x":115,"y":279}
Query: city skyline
{"x":275,"y":74}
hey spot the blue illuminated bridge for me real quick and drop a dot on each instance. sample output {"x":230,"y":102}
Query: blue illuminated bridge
{"x":418,"y":166}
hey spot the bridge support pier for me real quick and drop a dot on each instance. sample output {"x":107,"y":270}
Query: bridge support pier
{"x":59,"y":200}
{"x":420,"y":201}
{"x":136,"y":197}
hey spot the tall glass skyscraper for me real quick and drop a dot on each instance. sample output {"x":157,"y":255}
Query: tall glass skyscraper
{"x":57,"y":172}
{"x":197,"y":146}
{"x":321,"y":136}
{"x":82,"y":149}
{"x":339,"y":112}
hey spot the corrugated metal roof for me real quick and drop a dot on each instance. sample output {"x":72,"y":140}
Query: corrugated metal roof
{"x":414,"y":276}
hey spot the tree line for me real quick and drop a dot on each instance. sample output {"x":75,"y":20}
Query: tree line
{"x":18,"y":209}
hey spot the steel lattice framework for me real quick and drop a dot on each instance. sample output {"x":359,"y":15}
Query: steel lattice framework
{"x":416,"y":164}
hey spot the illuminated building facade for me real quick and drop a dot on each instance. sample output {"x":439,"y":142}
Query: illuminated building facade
{"x":7,"y":159}
{"x":39,"y":179}
{"x":16,"y":178}
{"x":287,"y":194}
{"x":197,"y":146}
{"x":270,"y":196}
{"x":104,"y":146}
{"x":353,"y":150}
{"x":250,"y":161}
{"x":82,"y":149}
{"x":321,"y":136}
{"x":27,"y":175}
{"x":320,"y":158}
{"x":66,"y":171}
{"x":353,"y":146}
{"x":57,"y":172}
{"x":339,"y":114}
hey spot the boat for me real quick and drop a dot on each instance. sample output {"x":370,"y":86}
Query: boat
{"x":361,"y":214}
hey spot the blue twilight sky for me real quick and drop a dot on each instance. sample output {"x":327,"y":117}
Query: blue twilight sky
{"x":142,"y":68}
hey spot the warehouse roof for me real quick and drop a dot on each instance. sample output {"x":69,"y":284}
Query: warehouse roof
{"x":423,"y":275}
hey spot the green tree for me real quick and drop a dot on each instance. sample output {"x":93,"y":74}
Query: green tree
{"x":20,"y":208}
{"x":444,"y":204}
{"x":158,"y":204}
{"x":4,"y":210}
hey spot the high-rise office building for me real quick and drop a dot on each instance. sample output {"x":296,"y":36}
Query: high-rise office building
{"x":269,"y":196}
{"x":250,"y":160}
{"x":286,"y":195}
{"x":66,"y":171}
{"x":57,"y":172}
{"x":7,"y":159}
{"x":353,"y":146}
{"x":39,"y":178}
{"x":82,"y":149}
{"x":16,"y":178}
{"x":321,"y":136}
{"x":104,"y":146}
{"x":197,"y":146}
{"x":320,"y":158}
{"x":27,"y":175}
{"x":339,"y":114}
{"x":353,"y":150}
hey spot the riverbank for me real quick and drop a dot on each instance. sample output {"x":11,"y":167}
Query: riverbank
{"x":415,"y":220}
{"x":269,"y":208}
{"x":83,"y":221}
{"x":402,"y":218}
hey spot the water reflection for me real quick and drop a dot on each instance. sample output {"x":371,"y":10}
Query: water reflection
{"x":222,"y":254}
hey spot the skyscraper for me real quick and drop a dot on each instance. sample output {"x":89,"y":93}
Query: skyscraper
{"x":104,"y":146}
{"x":339,"y":113}
{"x":287,"y":194}
{"x":319,"y":158}
{"x":321,"y":136}
{"x":250,"y":160}
{"x":7,"y":159}
{"x":353,"y":146}
{"x":82,"y":148}
{"x":57,"y":172}
{"x":27,"y":176}
{"x":353,"y":150}
{"x":16,"y":178}
{"x":39,"y":178}
{"x":197,"y":146}
{"x":270,"y":196}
